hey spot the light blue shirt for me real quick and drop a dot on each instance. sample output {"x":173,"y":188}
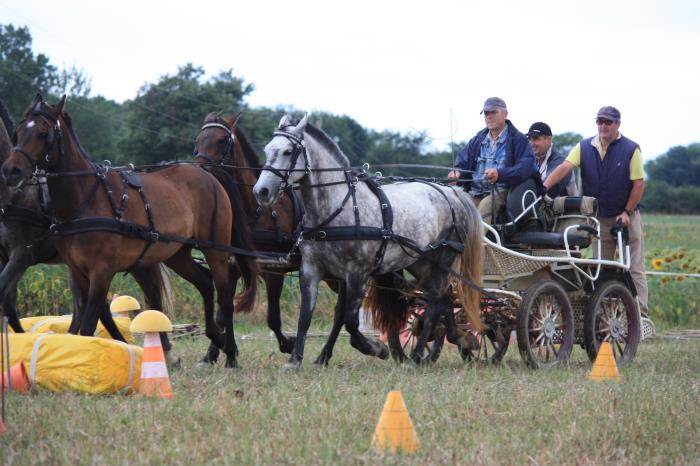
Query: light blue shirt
{"x":491,"y":155}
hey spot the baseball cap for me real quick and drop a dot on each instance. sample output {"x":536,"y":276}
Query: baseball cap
{"x":609,"y":113}
{"x":539,"y":129}
{"x":492,"y":103}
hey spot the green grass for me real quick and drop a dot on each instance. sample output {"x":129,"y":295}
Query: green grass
{"x":260,"y":414}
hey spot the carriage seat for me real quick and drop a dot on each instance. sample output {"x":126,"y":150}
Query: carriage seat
{"x":546,"y":226}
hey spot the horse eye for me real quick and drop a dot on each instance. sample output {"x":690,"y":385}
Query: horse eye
{"x":288,"y":152}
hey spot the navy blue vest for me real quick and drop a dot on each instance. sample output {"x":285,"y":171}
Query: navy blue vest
{"x":608,"y":180}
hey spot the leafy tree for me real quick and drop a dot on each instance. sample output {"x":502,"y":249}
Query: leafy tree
{"x":99,"y":124}
{"x":679,"y":166}
{"x":164,"y":119}
{"x":352,"y":138}
{"x":564,"y":142}
{"x":22,"y":74}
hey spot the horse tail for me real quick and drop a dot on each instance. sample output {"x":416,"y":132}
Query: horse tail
{"x":242,"y":237}
{"x":166,"y":290}
{"x":386,"y":304}
{"x":470,"y":267}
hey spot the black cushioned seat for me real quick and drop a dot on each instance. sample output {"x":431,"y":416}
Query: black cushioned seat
{"x":550,"y":239}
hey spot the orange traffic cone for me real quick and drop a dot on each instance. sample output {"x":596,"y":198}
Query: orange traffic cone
{"x":2,"y":426}
{"x":605,"y":367}
{"x":154,"y":373}
{"x":395,"y":430}
{"x":19,"y":380}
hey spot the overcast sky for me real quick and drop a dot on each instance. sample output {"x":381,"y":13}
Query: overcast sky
{"x":402,"y":65}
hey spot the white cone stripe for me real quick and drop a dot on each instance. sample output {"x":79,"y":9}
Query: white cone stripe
{"x":151,"y":339}
{"x":153,"y":369}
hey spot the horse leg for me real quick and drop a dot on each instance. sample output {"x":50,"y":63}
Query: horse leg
{"x":17,"y":264}
{"x":338,"y":319}
{"x":79,"y":289}
{"x":151,"y":283}
{"x":274,"y":283}
{"x":97,"y":307}
{"x":224,"y":283}
{"x":183,"y":264}
{"x":355,"y":293}
{"x":310,"y":276}
{"x":430,"y":316}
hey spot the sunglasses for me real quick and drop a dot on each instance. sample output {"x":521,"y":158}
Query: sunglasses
{"x":603,"y":121}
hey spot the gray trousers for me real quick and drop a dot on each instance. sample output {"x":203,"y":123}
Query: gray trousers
{"x":485,"y":204}
{"x":609,"y":245}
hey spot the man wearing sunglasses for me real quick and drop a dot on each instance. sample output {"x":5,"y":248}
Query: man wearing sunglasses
{"x":548,"y":159}
{"x":612,"y":171}
{"x":498,"y":158}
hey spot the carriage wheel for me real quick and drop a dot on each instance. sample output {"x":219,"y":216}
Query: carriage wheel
{"x":545,"y":325}
{"x":611,"y":315}
{"x":490,"y":349}
{"x":402,"y":343}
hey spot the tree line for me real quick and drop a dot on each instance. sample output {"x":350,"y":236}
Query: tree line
{"x":161,"y":122}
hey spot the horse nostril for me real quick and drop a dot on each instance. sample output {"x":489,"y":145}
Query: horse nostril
{"x":264,"y":193}
{"x":11,"y":175}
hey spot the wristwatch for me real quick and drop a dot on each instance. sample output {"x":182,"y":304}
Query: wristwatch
{"x":629,"y":212}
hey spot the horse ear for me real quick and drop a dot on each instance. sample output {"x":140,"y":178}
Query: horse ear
{"x":299,"y":129}
{"x":236,"y":118}
{"x":59,"y":106}
{"x":36,"y":103}
{"x":284,"y":121}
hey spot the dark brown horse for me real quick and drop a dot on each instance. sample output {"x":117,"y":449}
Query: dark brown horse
{"x":224,"y":146}
{"x":109,"y":221}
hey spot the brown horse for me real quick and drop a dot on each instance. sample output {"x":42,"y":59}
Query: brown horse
{"x":222,"y":145}
{"x":109,"y":221}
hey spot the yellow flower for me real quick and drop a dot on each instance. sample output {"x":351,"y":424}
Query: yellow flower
{"x":685,"y":266}
{"x":681,"y":255}
{"x":665,"y":280}
{"x":680,"y":278}
{"x":658,"y":264}
{"x":668,"y":259}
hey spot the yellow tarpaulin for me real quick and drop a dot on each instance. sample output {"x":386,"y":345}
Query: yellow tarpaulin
{"x":60,"y":324}
{"x":61,"y":362}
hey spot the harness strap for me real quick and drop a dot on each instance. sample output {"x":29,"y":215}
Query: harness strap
{"x":13,"y":213}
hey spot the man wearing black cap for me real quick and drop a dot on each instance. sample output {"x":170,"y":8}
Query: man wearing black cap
{"x":499,"y":156}
{"x":548,"y":159}
{"x":612,"y":172}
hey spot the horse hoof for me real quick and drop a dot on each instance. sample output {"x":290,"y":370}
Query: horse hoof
{"x":232,"y":365}
{"x":287,"y":346}
{"x":291,"y":366}
{"x":203,"y":365}
{"x":322,"y":360}
{"x":173,"y":362}
{"x":383,"y":351}
{"x":409,"y":364}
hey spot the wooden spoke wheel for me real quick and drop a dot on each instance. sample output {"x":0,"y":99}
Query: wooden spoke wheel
{"x":612,"y":315}
{"x":545,"y":325}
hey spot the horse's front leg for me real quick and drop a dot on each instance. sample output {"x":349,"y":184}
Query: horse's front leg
{"x":274,"y":283}
{"x":338,"y":319}
{"x":13,"y":270}
{"x":310,"y":276}
{"x":97,"y":308}
{"x":353,"y":300}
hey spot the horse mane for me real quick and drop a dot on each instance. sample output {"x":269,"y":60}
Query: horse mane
{"x":6,"y":119}
{"x":328,"y":144}
{"x":69,"y":126}
{"x":249,"y":152}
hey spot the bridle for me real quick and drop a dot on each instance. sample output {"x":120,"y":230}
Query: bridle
{"x":55,"y":135}
{"x":298,"y":148}
{"x":227,"y":153}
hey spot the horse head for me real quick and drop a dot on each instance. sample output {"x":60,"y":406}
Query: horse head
{"x":37,"y":141}
{"x":285,"y":160}
{"x":215,"y":143}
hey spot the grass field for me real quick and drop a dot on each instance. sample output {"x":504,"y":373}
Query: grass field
{"x":463,"y":414}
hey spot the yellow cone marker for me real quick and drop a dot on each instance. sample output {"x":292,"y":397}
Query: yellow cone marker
{"x":395,"y":430}
{"x":605,"y":367}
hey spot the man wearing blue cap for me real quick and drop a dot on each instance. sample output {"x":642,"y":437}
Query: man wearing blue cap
{"x":612,"y":171}
{"x":499,"y":156}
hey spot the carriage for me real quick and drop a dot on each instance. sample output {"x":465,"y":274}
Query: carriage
{"x":543,"y":283}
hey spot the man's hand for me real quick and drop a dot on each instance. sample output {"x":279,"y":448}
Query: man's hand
{"x":453,"y":175}
{"x":491,"y":175}
{"x":624,"y":219}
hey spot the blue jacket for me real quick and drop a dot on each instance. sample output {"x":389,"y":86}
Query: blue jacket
{"x":520,"y":161}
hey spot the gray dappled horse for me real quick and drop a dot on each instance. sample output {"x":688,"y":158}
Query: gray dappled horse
{"x":354,"y":230}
